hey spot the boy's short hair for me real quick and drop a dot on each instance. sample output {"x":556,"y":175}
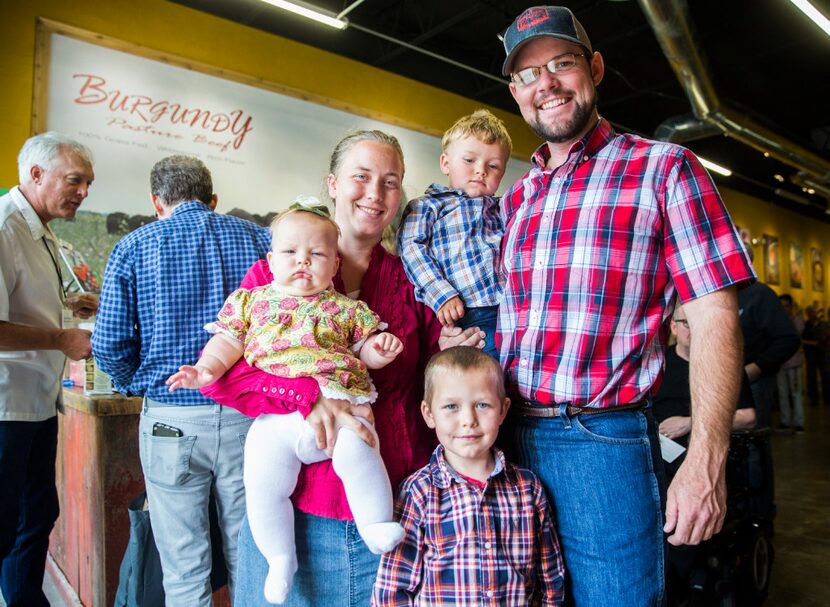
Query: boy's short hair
{"x":482,"y":125}
{"x":463,"y":358}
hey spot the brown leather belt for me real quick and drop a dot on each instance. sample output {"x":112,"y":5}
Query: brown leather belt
{"x":540,"y":410}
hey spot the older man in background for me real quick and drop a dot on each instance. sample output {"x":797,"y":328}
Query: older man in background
{"x":55,"y":176}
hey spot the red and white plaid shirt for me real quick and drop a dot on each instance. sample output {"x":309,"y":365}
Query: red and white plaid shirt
{"x":593,"y":254}
{"x":472,"y":546}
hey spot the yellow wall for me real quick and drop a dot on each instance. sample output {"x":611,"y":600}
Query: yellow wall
{"x":180,"y":31}
{"x":761,"y":218}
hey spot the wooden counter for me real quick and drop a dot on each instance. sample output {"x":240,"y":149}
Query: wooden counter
{"x":98,"y":474}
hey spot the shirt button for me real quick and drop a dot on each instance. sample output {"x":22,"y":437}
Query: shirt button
{"x":282,"y":390}
{"x":487,"y":545}
{"x":523,"y":362}
{"x":489,"y":594}
{"x":291,"y":393}
{"x":538,"y":264}
{"x":274,"y":390}
{"x":265,"y":388}
{"x":299,"y":398}
{"x":585,"y":158}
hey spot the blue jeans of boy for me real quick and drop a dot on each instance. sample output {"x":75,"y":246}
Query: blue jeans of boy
{"x":485,"y":319}
{"x":28,"y":508}
{"x":336,"y":568}
{"x":608,"y":499}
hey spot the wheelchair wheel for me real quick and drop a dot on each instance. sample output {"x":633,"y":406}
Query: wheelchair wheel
{"x":755,"y":568}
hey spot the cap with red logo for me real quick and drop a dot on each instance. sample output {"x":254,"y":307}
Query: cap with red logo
{"x":537,"y":21}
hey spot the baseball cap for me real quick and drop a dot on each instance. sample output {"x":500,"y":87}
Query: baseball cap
{"x":537,"y":21}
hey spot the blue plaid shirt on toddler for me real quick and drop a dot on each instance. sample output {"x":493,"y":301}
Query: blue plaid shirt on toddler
{"x":163,"y":283}
{"x":450,"y":245}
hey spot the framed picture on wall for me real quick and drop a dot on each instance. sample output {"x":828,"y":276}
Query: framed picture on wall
{"x":796,"y":265}
{"x":817,"y":269}
{"x":771,"y":266}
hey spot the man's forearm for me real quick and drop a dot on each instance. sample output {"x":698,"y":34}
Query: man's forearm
{"x":715,"y":367}
{"x":16,"y":337}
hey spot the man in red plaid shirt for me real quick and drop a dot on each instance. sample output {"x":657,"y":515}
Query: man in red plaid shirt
{"x":601,"y":234}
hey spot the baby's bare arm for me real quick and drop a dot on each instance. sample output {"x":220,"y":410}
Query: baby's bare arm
{"x":219,"y":355}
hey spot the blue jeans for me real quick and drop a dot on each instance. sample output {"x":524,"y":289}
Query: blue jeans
{"x":608,"y":499}
{"x":485,"y":319}
{"x":180,"y":475}
{"x":28,"y":508}
{"x":336,"y":568}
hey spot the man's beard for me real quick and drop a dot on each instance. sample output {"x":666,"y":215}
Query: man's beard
{"x":569,"y":130}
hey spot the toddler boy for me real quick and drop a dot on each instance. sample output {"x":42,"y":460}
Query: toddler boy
{"x":478,"y":529}
{"x":450,"y":238}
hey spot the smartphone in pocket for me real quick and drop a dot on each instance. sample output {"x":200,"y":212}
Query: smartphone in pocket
{"x":160,"y":429}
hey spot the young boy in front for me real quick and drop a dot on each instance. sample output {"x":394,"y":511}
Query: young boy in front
{"x":479,"y":530}
{"x":450,"y":238}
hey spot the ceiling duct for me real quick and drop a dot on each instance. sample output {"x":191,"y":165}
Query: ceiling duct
{"x":671,"y":24}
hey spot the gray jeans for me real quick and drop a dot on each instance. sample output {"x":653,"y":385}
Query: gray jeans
{"x":180,"y":474}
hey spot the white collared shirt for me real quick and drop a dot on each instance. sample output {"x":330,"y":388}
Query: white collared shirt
{"x":30,"y":294}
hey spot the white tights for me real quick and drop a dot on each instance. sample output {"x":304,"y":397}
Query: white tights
{"x":275,"y":448}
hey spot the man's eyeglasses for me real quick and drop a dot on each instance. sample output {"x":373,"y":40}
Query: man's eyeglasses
{"x":681,"y":321}
{"x":558,"y":65}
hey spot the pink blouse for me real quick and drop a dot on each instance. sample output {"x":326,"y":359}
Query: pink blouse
{"x":405,"y":441}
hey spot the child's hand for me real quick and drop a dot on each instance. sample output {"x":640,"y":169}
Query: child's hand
{"x":387,"y":345}
{"x":191,"y":377}
{"x":451,"y":311}
{"x":380,"y":349}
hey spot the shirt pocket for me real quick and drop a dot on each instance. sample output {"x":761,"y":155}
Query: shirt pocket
{"x":518,"y":542}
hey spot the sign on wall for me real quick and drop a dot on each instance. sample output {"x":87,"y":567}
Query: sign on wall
{"x":262,"y":147}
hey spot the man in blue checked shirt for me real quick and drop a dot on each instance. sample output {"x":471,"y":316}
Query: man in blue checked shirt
{"x":163,"y":283}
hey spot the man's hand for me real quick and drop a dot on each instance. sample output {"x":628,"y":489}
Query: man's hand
{"x":328,"y":415}
{"x":192,"y":377}
{"x":456,"y":336}
{"x":74,"y":343}
{"x":676,"y":426}
{"x":753,"y":372}
{"x":696,"y":504}
{"x":83,"y":305}
{"x":380,"y":349}
{"x":451,"y":311}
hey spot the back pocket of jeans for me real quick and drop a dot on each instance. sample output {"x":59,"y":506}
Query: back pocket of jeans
{"x":165,"y":459}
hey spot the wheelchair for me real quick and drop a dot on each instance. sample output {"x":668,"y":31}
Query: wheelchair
{"x":733,"y":568}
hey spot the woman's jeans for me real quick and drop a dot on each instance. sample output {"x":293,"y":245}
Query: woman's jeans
{"x":336,"y":568}
{"x":607,"y":490}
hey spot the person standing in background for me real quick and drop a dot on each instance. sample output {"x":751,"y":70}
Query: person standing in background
{"x":790,"y":386}
{"x":55,"y":176}
{"x":163,"y":283}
